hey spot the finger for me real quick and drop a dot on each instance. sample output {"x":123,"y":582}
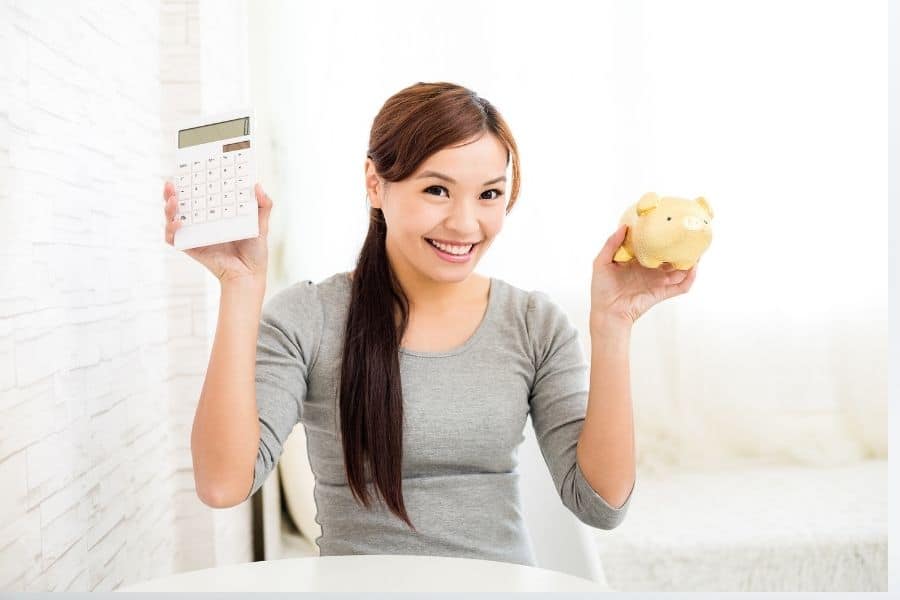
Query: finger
{"x":688,"y":280}
{"x":260,"y":194}
{"x":265,"y":208}
{"x":168,"y":189}
{"x":171,"y":228}
{"x":676,"y":278}
{"x":613,"y":243}
{"x":170,"y":208}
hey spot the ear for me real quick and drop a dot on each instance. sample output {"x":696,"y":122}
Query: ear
{"x":702,"y":202}
{"x":373,"y":184}
{"x":648,"y":202}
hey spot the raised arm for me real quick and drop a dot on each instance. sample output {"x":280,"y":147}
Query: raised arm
{"x":225,"y":433}
{"x":558,"y":401}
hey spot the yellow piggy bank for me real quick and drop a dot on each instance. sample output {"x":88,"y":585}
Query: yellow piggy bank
{"x":666,"y":229}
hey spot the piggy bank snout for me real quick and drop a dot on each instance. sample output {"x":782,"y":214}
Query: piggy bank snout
{"x":693,"y":223}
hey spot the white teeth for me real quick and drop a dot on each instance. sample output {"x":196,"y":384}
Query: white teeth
{"x":452,"y":249}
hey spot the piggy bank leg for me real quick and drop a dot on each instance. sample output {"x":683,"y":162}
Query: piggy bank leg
{"x":622,"y":255}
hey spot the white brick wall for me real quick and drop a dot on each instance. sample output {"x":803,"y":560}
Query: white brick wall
{"x":104,"y":330}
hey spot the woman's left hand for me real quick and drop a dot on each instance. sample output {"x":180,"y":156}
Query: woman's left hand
{"x":622,"y":292}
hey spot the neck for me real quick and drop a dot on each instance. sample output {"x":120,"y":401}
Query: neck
{"x":429,"y":296}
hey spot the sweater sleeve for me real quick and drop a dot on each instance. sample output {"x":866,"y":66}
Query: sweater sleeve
{"x":290,"y":330}
{"x":558,"y":405}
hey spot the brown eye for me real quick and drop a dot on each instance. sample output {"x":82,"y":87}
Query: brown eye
{"x":435,"y":187}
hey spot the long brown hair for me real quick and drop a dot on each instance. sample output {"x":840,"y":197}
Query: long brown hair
{"x":412,"y":125}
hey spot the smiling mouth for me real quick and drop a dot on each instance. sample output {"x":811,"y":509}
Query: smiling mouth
{"x":453,"y":249}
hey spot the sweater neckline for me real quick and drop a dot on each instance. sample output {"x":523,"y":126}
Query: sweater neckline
{"x":486,"y":319}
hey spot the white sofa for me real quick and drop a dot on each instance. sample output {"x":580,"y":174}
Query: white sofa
{"x":754,"y":528}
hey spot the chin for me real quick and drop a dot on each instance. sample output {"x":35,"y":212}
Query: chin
{"x":451,"y":273}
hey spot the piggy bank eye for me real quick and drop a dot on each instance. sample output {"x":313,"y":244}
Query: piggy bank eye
{"x":668,"y":218}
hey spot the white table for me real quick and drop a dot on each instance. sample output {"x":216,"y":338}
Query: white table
{"x":371,"y":573}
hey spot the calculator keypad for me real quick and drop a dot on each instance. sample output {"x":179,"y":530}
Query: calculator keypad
{"x":213,"y":189}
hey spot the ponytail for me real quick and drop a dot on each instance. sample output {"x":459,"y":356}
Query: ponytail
{"x":371,"y":396}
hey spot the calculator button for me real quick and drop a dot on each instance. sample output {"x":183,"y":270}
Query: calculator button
{"x":243,"y":195}
{"x":198,"y":177}
{"x":184,"y":168}
{"x":227,"y":171}
{"x":213,"y":174}
{"x":212,"y":163}
{"x":184,"y":205}
{"x":227,"y":211}
{"x":214,"y":200}
{"x":184,"y":218}
{"x":227,"y":185}
{"x":197,"y":165}
{"x":213,"y":187}
{"x":240,"y":156}
{"x":243,"y":208}
{"x":198,"y":190}
{"x":212,"y":213}
{"x":198,"y":215}
{"x":241,"y":182}
{"x":182,"y":181}
{"x":241,"y":170}
{"x":199,"y":202}
{"x":227,"y":197}
{"x":184,"y":192}
{"x":227,"y":159}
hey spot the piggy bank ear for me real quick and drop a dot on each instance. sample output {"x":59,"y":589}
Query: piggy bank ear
{"x":702,"y":202}
{"x":648,"y":202}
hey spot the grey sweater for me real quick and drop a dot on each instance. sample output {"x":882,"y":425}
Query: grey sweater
{"x":464,"y":416}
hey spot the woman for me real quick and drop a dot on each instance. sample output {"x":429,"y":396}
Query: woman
{"x":412,"y":375}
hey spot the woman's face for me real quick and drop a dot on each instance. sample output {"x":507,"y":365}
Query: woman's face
{"x":429,"y":206}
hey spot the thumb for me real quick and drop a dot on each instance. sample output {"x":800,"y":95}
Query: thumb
{"x":265,"y":207}
{"x":613,"y":243}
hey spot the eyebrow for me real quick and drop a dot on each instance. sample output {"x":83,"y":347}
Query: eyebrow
{"x":453,"y":181}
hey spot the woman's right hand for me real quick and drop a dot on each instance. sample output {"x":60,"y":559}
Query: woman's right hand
{"x":228,"y":261}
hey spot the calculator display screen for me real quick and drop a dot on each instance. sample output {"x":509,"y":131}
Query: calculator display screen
{"x":213,"y":132}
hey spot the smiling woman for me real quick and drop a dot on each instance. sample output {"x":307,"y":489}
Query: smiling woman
{"x":412,"y":375}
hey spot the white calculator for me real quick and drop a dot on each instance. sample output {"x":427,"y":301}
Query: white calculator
{"x":214,"y":180}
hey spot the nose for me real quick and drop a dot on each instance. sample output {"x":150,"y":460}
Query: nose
{"x":692,"y":223}
{"x":463,"y":218}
